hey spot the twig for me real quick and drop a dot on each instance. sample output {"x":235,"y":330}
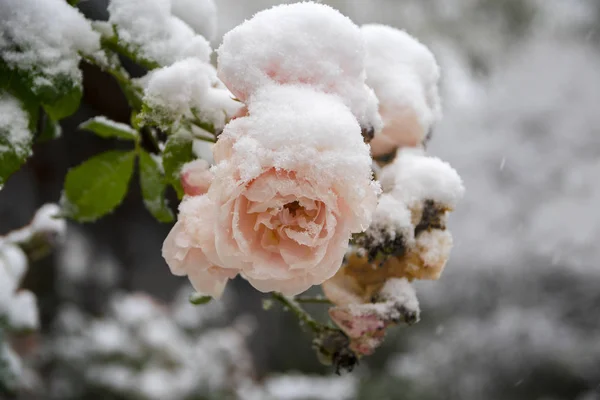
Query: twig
{"x":302,"y":315}
{"x":316,"y":300}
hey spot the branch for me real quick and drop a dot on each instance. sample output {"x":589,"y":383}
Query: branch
{"x":302,"y":315}
{"x":314,"y":300}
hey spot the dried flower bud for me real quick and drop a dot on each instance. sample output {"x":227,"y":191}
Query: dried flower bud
{"x":333,"y":348}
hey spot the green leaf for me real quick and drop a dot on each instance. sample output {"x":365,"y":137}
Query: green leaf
{"x":153,"y":185}
{"x":63,"y":102}
{"x":198,"y":299}
{"x":107,"y":128}
{"x":52,"y":130}
{"x":15,"y":136}
{"x":178,"y":151}
{"x":97,"y":186}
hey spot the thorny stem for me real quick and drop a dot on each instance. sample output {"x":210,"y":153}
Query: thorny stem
{"x":302,"y":315}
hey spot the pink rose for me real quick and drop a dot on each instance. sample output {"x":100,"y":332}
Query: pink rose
{"x":292,"y":183}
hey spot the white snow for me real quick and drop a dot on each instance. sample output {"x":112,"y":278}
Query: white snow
{"x":152,"y":353}
{"x":46,"y":35}
{"x":14,"y":124}
{"x":404,"y":75}
{"x":189,"y":87}
{"x":301,"y":43}
{"x":417,"y":177}
{"x":44,"y":223}
{"x":391,"y":217}
{"x":147,"y":27}
{"x":17,"y":306}
{"x":200,"y":15}
{"x":401,"y":292}
{"x":23,"y":313}
{"x":114,"y":124}
{"x":434,"y":248}
{"x":300,"y":387}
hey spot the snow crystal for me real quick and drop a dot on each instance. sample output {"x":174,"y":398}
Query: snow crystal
{"x":187,"y":87}
{"x":23,"y":312}
{"x":14,"y":123}
{"x":148,"y":27}
{"x":200,"y":15}
{"x":404,"y":74}
{"x":305,"y":43}
{"x":417,"y":177}
{"x":45,"y":35}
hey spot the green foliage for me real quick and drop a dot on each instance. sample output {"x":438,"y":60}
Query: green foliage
{"x":106,"y":128}
{"x":97,"y":186}
{"x":51,"y":130}
{"x":153,"y":183}
{"x":178,"y":151}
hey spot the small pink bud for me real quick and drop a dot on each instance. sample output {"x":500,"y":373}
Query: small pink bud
{"x":196,"y":177}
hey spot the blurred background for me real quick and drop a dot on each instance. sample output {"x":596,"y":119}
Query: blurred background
{"x":516,"y":314}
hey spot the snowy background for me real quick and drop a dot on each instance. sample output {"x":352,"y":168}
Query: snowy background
{"x":516,"y":314}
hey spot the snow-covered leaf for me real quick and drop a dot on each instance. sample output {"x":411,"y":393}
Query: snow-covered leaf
{"x":15,"y":136}
{"x":107,"y":128}
{"x":153,"y":183}
{"x":60,"y":95}
{"x":97,"y":186}
{"x":178,"y":151}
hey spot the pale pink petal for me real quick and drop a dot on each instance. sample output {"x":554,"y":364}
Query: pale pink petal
{"x":196,"y":177}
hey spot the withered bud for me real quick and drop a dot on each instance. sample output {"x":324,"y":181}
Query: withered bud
{"x":432,"y":217}
{"x":379,"y":244}
{"x":333,"y":348}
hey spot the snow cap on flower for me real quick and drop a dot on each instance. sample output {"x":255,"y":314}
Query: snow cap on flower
{"x":414,"y":177}
{"x":404,"y":75}
{"x":301,"y":43}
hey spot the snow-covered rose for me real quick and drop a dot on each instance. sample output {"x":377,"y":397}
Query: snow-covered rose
{"x":292,"y":183}
{"x":404,"y":75}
